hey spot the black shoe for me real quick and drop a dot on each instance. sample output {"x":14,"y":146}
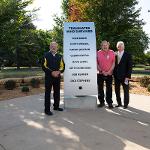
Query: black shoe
{"x":101,"y":105}
{"x":125,"y":107}
{"x":119,"y":105}
{"x":49,"y":113}
{"x":58,"y":109}
{"x":110,"y":106}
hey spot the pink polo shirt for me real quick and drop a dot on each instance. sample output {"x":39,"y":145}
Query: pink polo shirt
{"x":105,"y":60}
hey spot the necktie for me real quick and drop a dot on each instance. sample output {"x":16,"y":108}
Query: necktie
{"x":119,"y":58}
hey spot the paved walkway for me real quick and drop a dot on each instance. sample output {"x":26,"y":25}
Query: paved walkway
{"x":23,"y":126}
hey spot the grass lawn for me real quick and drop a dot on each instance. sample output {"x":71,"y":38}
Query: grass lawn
{"x":28,"y":72}
{"x":141,"y":71}
{"x":12,"y":72}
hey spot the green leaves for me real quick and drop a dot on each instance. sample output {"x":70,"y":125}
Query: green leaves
{"x":15,"y":26}
{"x":115,"y":21}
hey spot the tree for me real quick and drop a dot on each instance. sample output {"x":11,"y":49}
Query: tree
{"x":43,"y":39}
{"x":15,"y":26}
{"x":114,"y":21}
{"x":147,"y":55}
{"x":57,"y":32}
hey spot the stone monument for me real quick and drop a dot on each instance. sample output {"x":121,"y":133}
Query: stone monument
{"x":80,"y":76}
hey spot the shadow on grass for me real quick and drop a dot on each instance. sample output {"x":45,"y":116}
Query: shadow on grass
{"x":23,"y":72}
{"x":141,"y":72}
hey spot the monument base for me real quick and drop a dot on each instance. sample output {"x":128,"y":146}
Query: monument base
{"x":86,"y":102}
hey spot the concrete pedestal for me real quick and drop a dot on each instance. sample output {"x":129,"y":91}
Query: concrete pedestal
{"x":86,"y":102}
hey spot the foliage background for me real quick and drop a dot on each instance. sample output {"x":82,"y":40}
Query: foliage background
{"x":21,"y":44}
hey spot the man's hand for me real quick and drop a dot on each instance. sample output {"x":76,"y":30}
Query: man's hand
{"x":56,"y":74}
{"x":107,"y":73}
{"x":104,"y":73}
{"x":126,"y":81}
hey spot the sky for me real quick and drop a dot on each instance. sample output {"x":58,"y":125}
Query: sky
{"x":47,"y":10}
{"x":50,"y":7}
{"x":145,"y":15}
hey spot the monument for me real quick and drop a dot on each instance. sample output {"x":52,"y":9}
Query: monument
{"x":80,"y":76}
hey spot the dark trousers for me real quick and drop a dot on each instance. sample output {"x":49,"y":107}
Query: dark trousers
{"x":49,"y":83}
{"x":118,"y":84}
{"x":100,"y":81}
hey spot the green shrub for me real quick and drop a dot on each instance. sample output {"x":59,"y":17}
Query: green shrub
{"x":148,"y":88}
{"x":10,"y":84}
{"x":35,"y":83}
{"x":144,"y":81}
{"x":25,"y":89}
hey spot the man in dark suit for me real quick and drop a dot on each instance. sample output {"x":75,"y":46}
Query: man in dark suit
{"x":122,"y":73}
{"x":53,"y":66}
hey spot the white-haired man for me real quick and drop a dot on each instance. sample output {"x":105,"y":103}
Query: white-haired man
{"x":122,"y":73}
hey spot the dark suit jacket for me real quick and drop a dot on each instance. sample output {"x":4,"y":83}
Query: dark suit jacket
{"x":124,"y":68}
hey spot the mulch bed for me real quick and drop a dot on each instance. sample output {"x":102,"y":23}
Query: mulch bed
{"x":135,"y":88}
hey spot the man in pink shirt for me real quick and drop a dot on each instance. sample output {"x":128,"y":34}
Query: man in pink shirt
{"x":105,"y":66}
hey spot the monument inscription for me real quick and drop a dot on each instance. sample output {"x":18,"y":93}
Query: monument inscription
{"x":80,"y":77}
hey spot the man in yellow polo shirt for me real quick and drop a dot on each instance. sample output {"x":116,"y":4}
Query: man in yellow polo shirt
{"x":53,"y":66}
